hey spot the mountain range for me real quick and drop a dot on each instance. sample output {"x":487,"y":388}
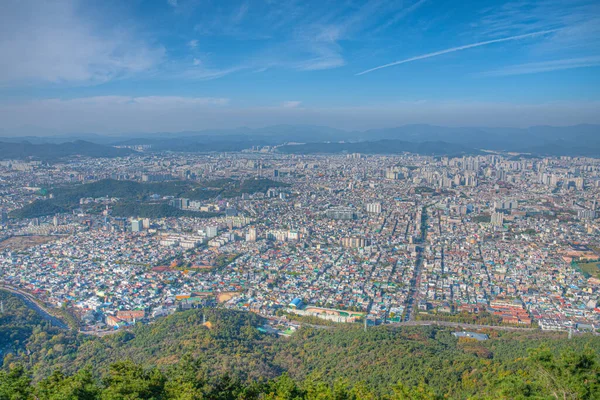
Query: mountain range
{"x":577,"y":140}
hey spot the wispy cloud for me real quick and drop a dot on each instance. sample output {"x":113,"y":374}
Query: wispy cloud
{"x":193,"y":44}
{"x":545,"y":66}
{"x":291,"y":104}
{"x":459,"y":48}
{"x":176,"y":101}
{"x":172,"y":3}
{"x":304,"y":35}
{"x":202,"y":73}
{"x":323,"y":55}
{"x":240,"y":13}
{"x":400,"y":15}
{"x":146,"y":101}
{"x":579,"y":21}
{"x":51,"y":42}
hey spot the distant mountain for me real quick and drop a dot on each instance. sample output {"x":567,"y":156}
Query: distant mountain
{"x":199,"y":144}
{"x":214,"y":140}
{"x":50,"y":151}
{"x":541,"y":140}
{"x":381,"y":147}
{"x":506,"y":139}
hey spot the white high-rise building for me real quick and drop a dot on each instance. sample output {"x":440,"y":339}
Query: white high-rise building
{"x":497,"y":219}
{"x":136,"y":225}
{"x":212,"y":231}
{"x":251,"y":235}
{"x":374,"y":208}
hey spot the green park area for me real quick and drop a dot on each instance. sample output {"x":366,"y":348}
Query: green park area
{"x":590,"y":268}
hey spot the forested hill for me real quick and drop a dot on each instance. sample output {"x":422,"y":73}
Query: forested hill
{"x":178,"y":357}
{"x":135,"y":196}
{"x":17,"y":323}
{"x":52,"y":151}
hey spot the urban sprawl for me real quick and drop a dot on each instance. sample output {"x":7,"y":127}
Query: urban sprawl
{"x":491,"y":239}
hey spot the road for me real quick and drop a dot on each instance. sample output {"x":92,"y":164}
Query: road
{"x":413,"y":295}
{"x":30,"y":302}
{"x":414,"y":287}
{"x":419,"y":323}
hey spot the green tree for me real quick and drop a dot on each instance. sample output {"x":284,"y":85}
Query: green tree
{"x":569,"y":376}
{"x":187,"y":380}
{"x":80,"y":386}
{"x":128,"y":381}
{"x":284,"y":388}
{"x":15,"y":384}
{"x":420,"y":392}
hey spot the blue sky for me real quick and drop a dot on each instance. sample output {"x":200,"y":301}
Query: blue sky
{"x":169,"y":65}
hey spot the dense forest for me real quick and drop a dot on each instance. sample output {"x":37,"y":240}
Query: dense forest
{"x":38,"y":208}
{"x":180,"y":357}
{"x":17,"y":323}
{"x":134,"y":196}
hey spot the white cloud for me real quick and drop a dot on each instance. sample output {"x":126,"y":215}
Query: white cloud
{"x":291,"y":104}
{"x":545,"y":66}
{"x":47,"y":41}
{"x":193,"y":44}
{"x":240,"y":13}
{"x":578,"y":21}
{"x":199,"y":72}
{"x":172,"y":3}
{"x":160,"y":101}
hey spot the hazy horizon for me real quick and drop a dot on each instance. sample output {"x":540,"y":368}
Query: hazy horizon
{"x":33,"y":131}
{"x":74,"y":66}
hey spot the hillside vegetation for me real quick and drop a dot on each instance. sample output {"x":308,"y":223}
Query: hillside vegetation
{"x":233,"y":359}
{"x":52,"y":151}
{"x":134,"y":197}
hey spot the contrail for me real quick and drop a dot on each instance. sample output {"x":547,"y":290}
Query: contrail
{"x":452,"y":50}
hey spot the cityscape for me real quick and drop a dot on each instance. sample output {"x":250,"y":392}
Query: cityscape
{"x":299,"y":200}
{"x":491,"y":240}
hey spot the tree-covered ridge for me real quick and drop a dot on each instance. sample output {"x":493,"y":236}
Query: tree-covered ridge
{"x":131,"y":190}
{"x":544,"y":376}
{"x":161,"y":210}
{"x":211,"y":349}
{"x":52,"y":151}
{"x":38,"y":208}
{"x":17,"y":323}
{"x":135,"y":197}
{"x":230,"y":343}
